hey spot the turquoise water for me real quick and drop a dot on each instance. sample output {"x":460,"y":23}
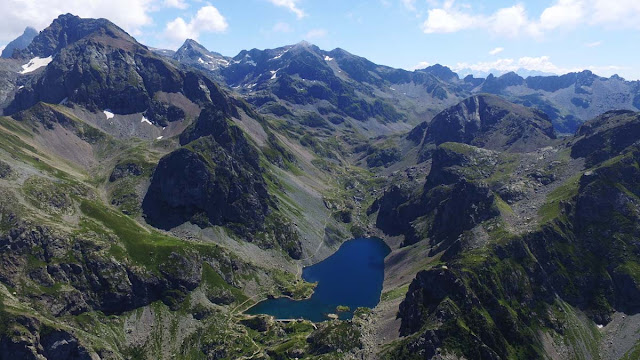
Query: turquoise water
{"x":352,"y":277}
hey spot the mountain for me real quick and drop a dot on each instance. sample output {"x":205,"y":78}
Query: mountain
{"x":97,"y":65}
{"x":132,"y":183}
{"x":148,"y":199}
{"x":344,"y":89}
{"x":19,"y":43}
{"x":489,"y":122}
{"x":365,"y":87}
{"x":194,"y":54}
{"x":568,"y":100}
{"x":519,"y":235}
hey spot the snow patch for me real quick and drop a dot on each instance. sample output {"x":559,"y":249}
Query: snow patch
{"x":21,"y":87}
{"x":273,"y":74}
{"x":108,"y":114}
{"x":159,"y":137}
{"x":35,"y":64}
{"x":599,"y":326}
{"x":200,"y":61}
{"x":64,"y":101}
{"x":145,"y":120}
{"x":327,"y":58}
{"x":279,"y":56}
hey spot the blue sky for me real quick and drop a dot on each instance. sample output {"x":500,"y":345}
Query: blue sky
{"x":550,"y":36}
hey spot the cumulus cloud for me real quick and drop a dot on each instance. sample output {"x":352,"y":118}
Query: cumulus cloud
{"x":292,"y":5}
{"x":131,"y":15}
{"x":316,"y":34}
{"x":563,"y":13}
{"x":496,"y":51}
{"x":448,"y":20}
{"x":448,"y":17}
{"x":207,"y":19}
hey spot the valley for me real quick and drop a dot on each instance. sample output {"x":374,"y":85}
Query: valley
{"x":151,"y":200}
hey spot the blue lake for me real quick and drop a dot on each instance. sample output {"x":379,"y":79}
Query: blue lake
{"x":352,"y":277}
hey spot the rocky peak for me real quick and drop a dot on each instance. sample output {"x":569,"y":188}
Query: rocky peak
{"x":20,"y":43}
{"x":215,"y":179}
{"x":192,"y":50}
{"x":303,"y":45}
{"x":496,"y":85}
{"x":68,"y":29}
{"x":443,"y":73}
{"x":491,"y":122}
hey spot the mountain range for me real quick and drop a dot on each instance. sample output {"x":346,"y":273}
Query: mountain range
{"x":149,"y":197}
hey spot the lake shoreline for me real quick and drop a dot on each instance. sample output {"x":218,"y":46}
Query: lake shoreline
{"x":351,"y":277}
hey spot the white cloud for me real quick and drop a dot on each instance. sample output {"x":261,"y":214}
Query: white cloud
{"x":207,"y":19}
{"x":282,"y":27}
{"x":511,"y":22}
{"x":316,"y":34}
{"x":178,"y":4}
{"x":541,"y":64}
{"x":496,"y":51}
{"x":419,"y":66}
{"x":131,"y":15}
{"x":2,"y":47}
{"x":563,"y":13}
{"x":292,"y":5}
{"x":448,"y":21}
{"x":593,"y":44}
{"x":448,"y":17}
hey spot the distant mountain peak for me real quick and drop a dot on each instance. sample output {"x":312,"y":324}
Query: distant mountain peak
{"x":194,"y":53}
{"x":20,"y":42}
{"x":440,"y":71}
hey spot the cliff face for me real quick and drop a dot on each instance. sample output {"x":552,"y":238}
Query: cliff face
{"x":488,"y":303}
{"x":215,"y":179}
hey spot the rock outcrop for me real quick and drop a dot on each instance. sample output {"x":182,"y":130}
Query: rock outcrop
{"x":215,"y":179}
{"x":489,"y":122}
